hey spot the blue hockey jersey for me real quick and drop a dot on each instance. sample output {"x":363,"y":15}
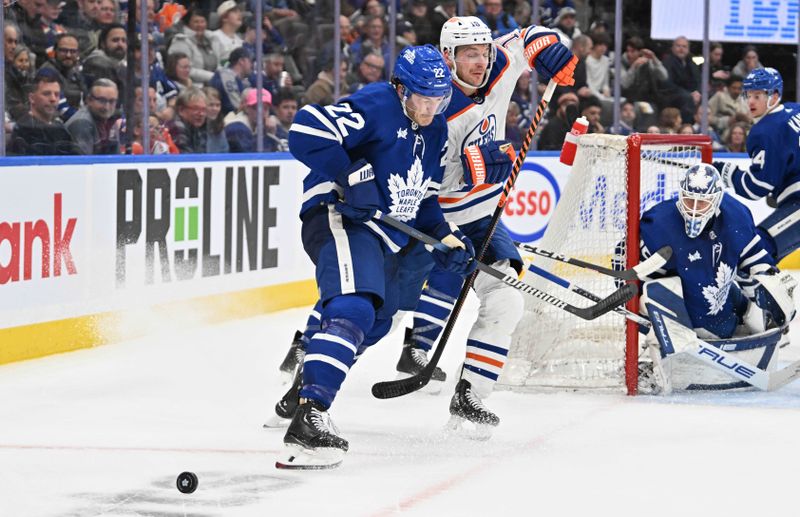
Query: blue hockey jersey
{"x":408,"y":160}
{"x":773,"y":148}
{"x":729,"y":250}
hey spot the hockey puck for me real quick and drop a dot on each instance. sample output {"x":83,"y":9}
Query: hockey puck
{"x":187,"y":482}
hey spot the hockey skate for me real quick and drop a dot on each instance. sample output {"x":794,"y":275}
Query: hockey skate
{"x":413,"y":360}
{"x":311,"y":440}
{"x":286,"y":406}
{"x":467,"y":408}
{"x":294,"y":357}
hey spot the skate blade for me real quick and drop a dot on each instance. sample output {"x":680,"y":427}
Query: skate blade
{"x":432,"y":388}
{"x":277,"y":422}
{"x":299,"y":458}
{"x":463,"y":428}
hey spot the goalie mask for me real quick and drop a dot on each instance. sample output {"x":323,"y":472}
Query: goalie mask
{"x":699,"y":197}
{"x":467,"y":30}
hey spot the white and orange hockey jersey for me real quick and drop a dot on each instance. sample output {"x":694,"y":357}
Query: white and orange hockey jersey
{"x":478,"y":120}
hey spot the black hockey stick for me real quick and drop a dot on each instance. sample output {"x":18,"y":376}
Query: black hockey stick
{"x":644,"y":269}
{"x":566,"y":284}
{"x":405,"y":386}
{"x":390,"y":389}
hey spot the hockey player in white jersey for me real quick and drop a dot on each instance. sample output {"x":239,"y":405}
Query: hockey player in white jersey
{"x":719,"y":283}
{"x":775,"y":168}
{"x":485,"y":73}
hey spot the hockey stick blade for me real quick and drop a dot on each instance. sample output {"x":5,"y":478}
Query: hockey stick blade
{"x":645,"y":268}
{"x":622,"y":311}
{"x":618,"y":297}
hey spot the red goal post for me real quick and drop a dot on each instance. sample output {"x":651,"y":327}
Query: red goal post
{"x":636,"y":142}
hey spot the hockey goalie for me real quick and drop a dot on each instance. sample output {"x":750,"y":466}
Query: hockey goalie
{"x":719,"y":308}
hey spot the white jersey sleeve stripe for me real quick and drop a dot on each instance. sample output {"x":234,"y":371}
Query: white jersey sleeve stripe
{"x":327,"y":123}
{"x":753,"y":259}
{"x":750,"y":245}
{"x":320,"y":188}
{"x":312,"y":131}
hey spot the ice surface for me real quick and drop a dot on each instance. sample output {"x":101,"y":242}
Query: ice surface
{"x":107,"y":431}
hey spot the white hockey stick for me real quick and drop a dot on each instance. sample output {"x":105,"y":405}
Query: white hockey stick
{"x":638,"y":272}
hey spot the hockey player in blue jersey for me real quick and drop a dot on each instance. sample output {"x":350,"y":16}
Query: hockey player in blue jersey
{"x":380,"y":149}
{"x":775,"y":155}
{"x":719,"y":270}
{"x":484,"y":75}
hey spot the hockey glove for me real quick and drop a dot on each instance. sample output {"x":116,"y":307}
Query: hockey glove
{"x":551,"y":58}
{"x":361,"y":195}
{"x":460,"y":259}
{"x":487,"y":163}
{"x":774,"y":294}
{"x":726,"y":172}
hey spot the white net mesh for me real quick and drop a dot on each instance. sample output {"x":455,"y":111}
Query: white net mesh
{"x":552,"y":348}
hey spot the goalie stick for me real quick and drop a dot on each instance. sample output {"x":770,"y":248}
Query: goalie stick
{"x":644,"y":269}
{"x":390,"y":389}
{"x":405,"y":386}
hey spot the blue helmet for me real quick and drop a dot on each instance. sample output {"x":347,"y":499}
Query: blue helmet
{"x":767,"y":79}
{"x":422,"y":70}
{"x":699,"y":197}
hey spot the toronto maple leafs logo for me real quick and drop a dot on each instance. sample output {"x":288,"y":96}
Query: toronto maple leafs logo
{"x":409,"y":56}
{"x":716,"y":294}
{"x":699,"y":180}
{"x":407,"y":194}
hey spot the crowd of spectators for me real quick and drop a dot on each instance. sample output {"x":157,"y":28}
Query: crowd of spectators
{"x":66,"y":72}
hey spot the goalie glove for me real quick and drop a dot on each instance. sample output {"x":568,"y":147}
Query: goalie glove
{"x":460,"y":259}
{"x":774,"y":293}
{"x":551,"y":58}
{"x":361,"y":195}
{"x":488,"y":163}
{"x":726,"y":170}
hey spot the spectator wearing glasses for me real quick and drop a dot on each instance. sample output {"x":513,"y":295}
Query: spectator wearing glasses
{"x":499,"y":21}
{"x":94,"y":127}
{"x":188,"y":129}
{"x":370,"y":70}
{"x":65,"y":63}
{"x":40,"y":132}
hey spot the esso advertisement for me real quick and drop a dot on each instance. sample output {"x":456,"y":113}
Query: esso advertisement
{"x":531,"y":203}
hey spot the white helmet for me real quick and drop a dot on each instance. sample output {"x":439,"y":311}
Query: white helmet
{"x":466,"y":30}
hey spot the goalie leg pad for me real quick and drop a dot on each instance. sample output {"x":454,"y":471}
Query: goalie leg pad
{"x":488,"y":342}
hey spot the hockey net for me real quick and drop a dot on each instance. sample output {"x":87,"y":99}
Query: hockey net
{"x":613,"y":180}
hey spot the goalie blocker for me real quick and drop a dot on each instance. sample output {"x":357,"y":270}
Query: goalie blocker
{"x":684,"y":361}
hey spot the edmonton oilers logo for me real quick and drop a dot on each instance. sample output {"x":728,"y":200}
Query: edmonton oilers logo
{"x":483,"y":133}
